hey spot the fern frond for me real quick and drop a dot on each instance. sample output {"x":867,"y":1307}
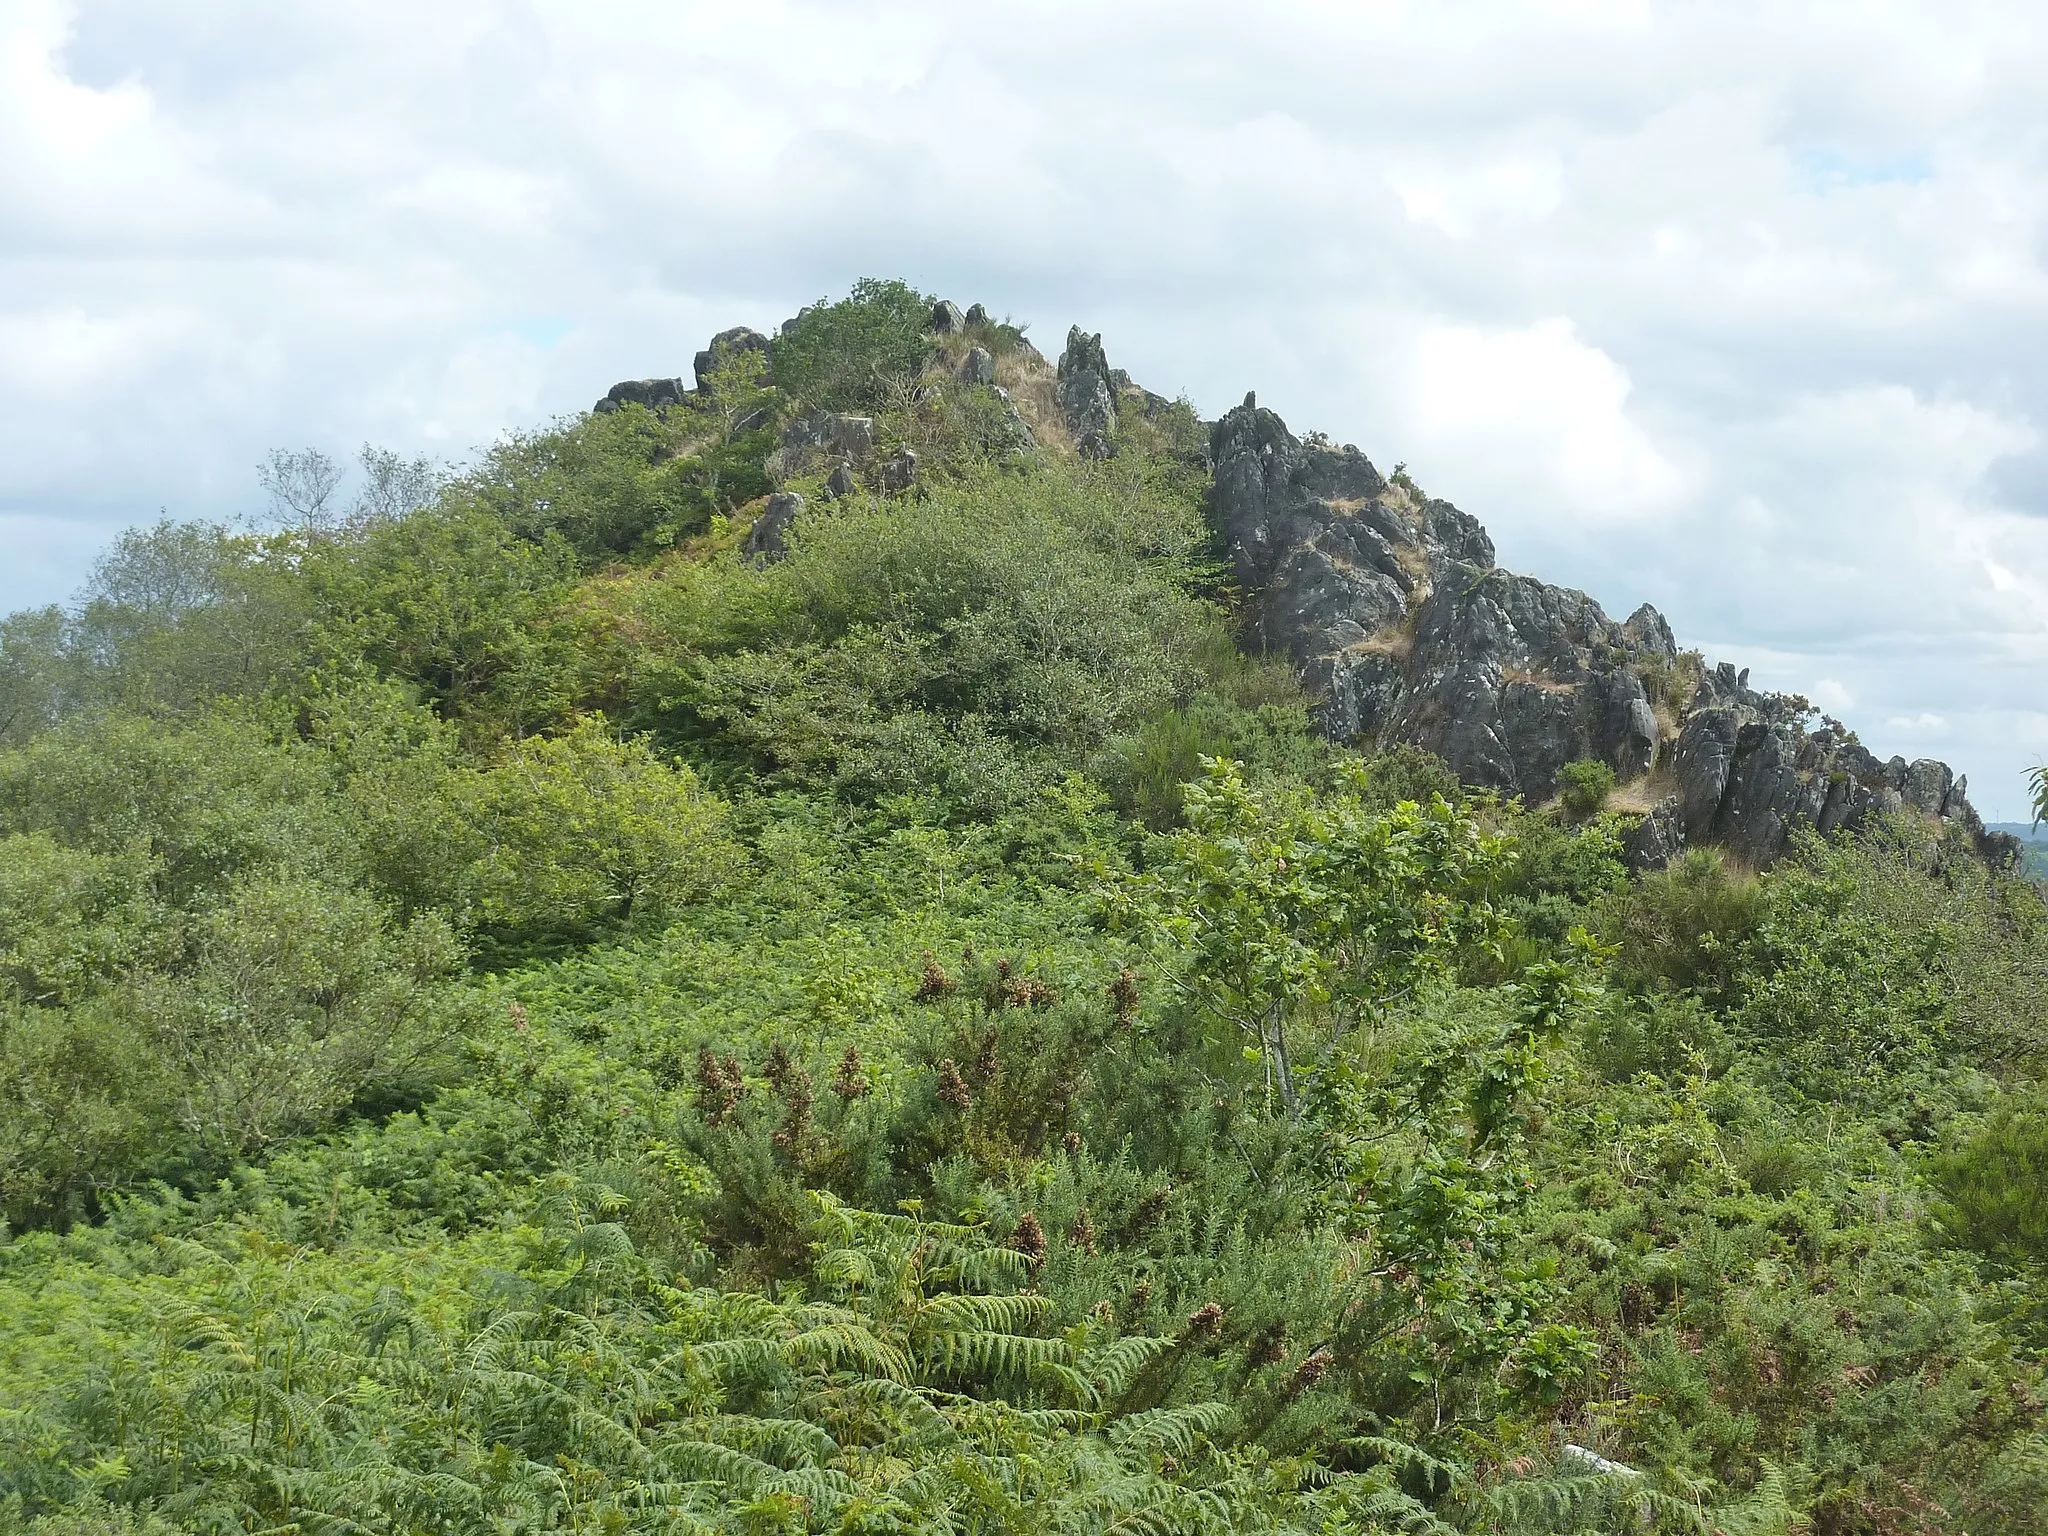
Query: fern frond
{"x":1169,"y":1431}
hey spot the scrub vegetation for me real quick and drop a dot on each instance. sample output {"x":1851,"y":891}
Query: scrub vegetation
{"x":516,"y":1017}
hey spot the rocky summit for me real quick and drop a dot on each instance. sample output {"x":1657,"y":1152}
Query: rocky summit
{"x":1404,"y":629}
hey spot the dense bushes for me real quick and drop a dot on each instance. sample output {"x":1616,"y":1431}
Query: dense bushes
{"x":969,"y":647}
{"x":512,"y":1015}
{"x":860,"y":353}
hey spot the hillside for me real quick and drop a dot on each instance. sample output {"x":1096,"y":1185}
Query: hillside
{"x":897,"y":935}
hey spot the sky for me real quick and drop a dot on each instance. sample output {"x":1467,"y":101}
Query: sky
{"x":1739,"y":309}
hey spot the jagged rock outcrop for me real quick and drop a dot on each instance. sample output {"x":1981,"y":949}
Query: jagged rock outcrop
{"x":1748,"y":770}
{"x":768,"y":539}
{"x":1017,"y":431}
{"x":1658,"y":838}
{"x":899,"y":472}
{"x":1086,"y":392}
{"x":724,"y":347}
{"x":1393,"y":609}
{"x":651,"y":393}
{"x":658,"y":394}
{"x":847,"y":436}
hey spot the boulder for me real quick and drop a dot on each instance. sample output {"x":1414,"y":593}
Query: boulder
{"x":654,"y":394}
{"x":768,"y":539}
{"x":723,"y":347}
{"x":976,"y":315}
{"x":1086,"y":397}
{"x":979,"y":367}
{"x":853,"y":436}
{"x":1651,"y":635}
{"x":2001,"y":850}
{"x":841,"y":483}
{"x":899,"y":472}
{"x":947,"y":319}
{"x":1926,"y":787}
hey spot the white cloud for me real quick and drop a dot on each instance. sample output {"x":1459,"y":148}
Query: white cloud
{"x":1552,"y":406}
{"x":1460,"y":199}
{"x":1831,"y":696}
{"x":1732,"y":307}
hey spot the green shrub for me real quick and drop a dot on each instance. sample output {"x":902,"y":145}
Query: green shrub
{"x":620,"y":482}
{"x":1584,"y":786}
{"x":1994,"y":1184}
{"x":858,"y":354}
{"x":1682,"y":928}
{"x":581,"y":834}
{"x":976,"y":638}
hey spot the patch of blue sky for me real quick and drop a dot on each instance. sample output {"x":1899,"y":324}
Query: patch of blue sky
{"x":1836,"y":170}
{"x":542,"y":331}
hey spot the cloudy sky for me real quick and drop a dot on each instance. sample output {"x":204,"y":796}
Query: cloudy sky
{"x":1738,"y":308}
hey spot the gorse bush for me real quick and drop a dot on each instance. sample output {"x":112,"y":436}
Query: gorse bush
{"x":516,"y":1015}
{"x":1584,"y":786}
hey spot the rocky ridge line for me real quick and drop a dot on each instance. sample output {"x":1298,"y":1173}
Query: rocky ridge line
{"x":1404,"y":629}
{"x":1391,"y":606}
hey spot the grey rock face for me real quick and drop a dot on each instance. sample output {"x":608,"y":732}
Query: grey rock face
{"x":976,"y":315}
{"x":847,"y":436}
{"x":1658,"y":838}
{"x":1021,"y":438}
{"x":1646,"y":627}
{"x":947,"y":319}
{"x":723,"y":347}
{"x":841,"y":483}
{"x":899,"y":472}
{"x":852,"y":435}
{"x":768,"y":539}
{"x":979,"y":367}
{"x":1086,"y":395}
{"x":654,"y":394}
{"x":1391,"y":606}
{"x":1927,"y":786}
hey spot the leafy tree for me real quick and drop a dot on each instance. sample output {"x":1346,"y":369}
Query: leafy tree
{"x":457,"y":604}
{"x":581,"y":833}
{"x":1303,"y":919}
{"x":394,"y":486}
{"x":34,"y":673}
{"x":180,"y":614}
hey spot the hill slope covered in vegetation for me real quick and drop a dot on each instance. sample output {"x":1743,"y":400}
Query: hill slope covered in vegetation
{"x":769,"y":958}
